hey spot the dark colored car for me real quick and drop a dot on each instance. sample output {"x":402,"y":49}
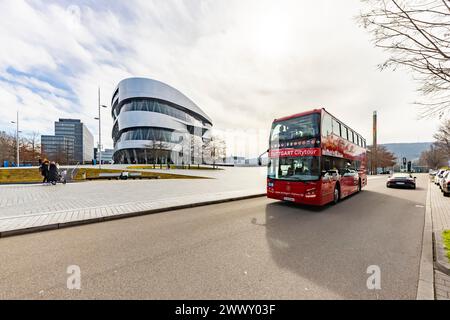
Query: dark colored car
{"x":401,"y":180}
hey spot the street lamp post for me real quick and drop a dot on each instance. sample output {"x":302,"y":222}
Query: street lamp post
{"x":99,"y":150}
{"x":17,"y":139}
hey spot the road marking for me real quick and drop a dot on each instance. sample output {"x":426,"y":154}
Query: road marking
{"x":374,"y":177}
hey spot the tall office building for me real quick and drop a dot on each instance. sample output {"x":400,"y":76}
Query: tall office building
{"x":58,"y":148}
{"x":84,"y":140}
{"x":69,"y":132}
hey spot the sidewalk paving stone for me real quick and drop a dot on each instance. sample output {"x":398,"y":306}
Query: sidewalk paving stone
{"x":440,"y":211}
{"x":26,"y":206}
{"x":442,"y":284}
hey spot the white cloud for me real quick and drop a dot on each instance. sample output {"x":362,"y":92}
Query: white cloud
{"x":243,"y":62}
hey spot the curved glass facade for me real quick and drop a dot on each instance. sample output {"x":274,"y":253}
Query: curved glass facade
{"x":145,"y":156}
{"x":170,"y":132}
{"x":150,"y":134}
{"x":152,"y":105}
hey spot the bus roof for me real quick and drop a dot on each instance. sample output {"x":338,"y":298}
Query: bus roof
{"x":305,"y":113}
{"x":299,"y":115}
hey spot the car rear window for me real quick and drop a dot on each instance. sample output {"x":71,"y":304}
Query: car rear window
{"x":400,"y":175}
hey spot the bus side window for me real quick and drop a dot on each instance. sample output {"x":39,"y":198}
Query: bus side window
{"x":344,"y":132}
{"x":351,"y":136}
{"x":326,"y":164}
{"x":336,"y":127}
{"x":327,"y":127}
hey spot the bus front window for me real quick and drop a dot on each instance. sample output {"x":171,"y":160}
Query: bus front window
{"x":301,"y":128}
{"x":295,"y":168}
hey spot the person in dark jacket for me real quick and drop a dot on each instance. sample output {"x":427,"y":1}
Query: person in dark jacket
{"x":44,"y":168}
{"x":40,"y":166}
{"x":53,"y":173}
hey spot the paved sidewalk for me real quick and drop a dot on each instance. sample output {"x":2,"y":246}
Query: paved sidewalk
{"x":37,"y":206}
{"x":442,"y":285}
{"x":440,"y":211}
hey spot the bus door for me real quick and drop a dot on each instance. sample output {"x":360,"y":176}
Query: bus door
{"x":329,"y":178}
{"x":328,"y":182}
{"x":349,"y":181}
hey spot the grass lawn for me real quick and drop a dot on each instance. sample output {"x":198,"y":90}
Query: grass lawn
{"x":32,"y":175}
{"x":446,"y":240}
{"x":20,"y":175}
{"x":94,"y":172}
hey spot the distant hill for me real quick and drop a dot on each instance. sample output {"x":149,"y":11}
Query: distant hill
{"x":411,"y":151}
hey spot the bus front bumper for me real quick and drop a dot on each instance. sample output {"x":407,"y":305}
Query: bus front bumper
{"x":302,"y":198}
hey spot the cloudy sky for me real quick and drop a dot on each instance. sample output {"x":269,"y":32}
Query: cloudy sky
{"x":244,"y":62}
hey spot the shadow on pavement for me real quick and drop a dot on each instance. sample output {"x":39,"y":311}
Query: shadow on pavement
{"x":333,"y":246}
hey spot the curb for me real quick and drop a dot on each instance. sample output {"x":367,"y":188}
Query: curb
{"x":56,"y":226}
{"x":425,"y":287}
{"x":442,"y":263}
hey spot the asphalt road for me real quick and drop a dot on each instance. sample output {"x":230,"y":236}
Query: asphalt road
{"x":252,"y":249}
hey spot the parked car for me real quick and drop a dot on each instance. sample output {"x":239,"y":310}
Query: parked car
{"x":441,"y":180}
{"x":404,"y":180}
{"x":438,"y":176}
{"x":445,"y":186}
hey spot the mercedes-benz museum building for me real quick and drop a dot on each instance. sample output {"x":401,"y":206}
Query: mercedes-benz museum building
{"x":155,"y":123}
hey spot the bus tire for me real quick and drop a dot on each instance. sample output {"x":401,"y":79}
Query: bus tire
{"x":336,"y":194}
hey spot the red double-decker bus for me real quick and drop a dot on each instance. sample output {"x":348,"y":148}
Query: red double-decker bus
{"x":315,"y":159}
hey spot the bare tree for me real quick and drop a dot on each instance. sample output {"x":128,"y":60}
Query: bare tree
{"x":35,"y":145}
{"x":156,"y":149}
{"x":382,"y":157}
{"x":433,"y":158}
{"x":7,"y":147}
{"x":443,"y":138}
{"x":417,"y":35}
{"x":196,"y":145}
{"x":214,"y":150}
{"x":29,"y":148}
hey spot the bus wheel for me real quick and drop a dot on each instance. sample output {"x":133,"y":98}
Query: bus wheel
{"x":336,"y":195}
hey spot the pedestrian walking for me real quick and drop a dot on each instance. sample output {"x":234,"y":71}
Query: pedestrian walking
{"x":40,"y":166}
{"x":44,"y":168}
{"x":53,"y":173}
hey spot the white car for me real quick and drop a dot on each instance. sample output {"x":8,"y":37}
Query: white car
{"x":445,"y":185}
{"x":444,"y":178}
{"x":438,"y":176}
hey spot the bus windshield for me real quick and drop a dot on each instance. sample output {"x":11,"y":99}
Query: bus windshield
{"x":294,"y":168}
{"x":294,"y":130}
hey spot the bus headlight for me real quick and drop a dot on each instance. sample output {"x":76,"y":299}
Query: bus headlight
{"x":310,"y":193}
